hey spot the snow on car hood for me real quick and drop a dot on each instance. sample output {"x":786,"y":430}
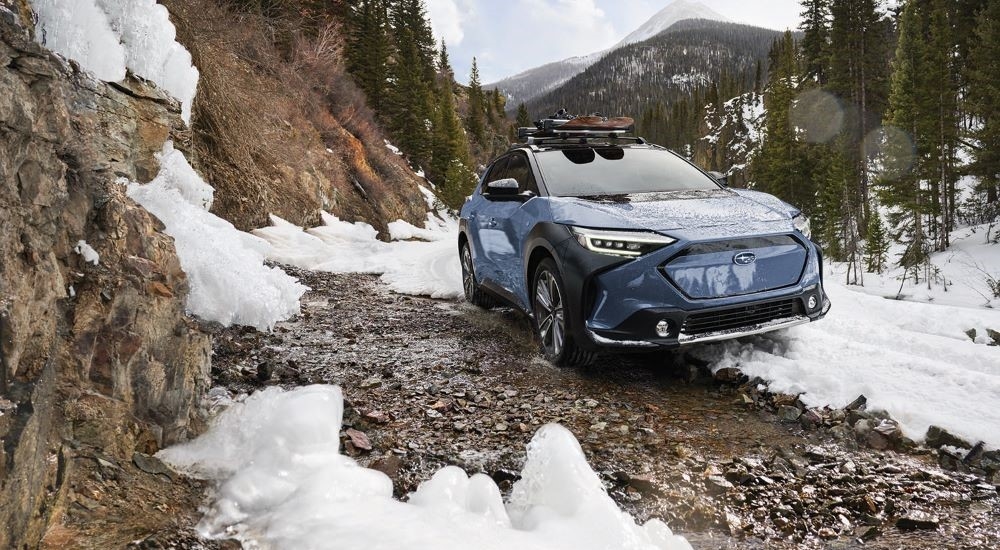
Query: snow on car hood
{"x":724,"y":208}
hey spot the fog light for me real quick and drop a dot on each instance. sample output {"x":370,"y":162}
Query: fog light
{"x":663,"y":329}
{"x":813,"y":302}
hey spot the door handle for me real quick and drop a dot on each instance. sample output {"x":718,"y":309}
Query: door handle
{"x":492,"y":222}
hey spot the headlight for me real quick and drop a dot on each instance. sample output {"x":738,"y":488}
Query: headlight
{"x":620,"y":243}
{"x":801,"y":223}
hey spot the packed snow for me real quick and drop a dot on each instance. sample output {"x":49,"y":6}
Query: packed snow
{"x":421,"y":267}
{"x":284,"y":484}
{"x":960,"y":276}
{"x":229,"y":282}
{"x":89,"y":254}
{"x":916,"y":361}
{"x":108,"y":37}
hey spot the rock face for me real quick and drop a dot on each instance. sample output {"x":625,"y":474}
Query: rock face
{"x":97,"y":357}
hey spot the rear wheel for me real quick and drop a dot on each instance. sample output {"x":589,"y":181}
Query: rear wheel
{"x":473,"y":294}
{"x":549,"y":306}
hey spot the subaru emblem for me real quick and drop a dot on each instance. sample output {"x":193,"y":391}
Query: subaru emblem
{"x":744,"y":258}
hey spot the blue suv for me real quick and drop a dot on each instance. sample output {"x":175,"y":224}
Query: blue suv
{"x":608,"y":242}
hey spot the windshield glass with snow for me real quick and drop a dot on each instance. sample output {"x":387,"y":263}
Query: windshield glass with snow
{"x":590,"y":171}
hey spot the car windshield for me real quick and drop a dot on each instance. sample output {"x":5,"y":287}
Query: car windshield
{"x":590,"y":171}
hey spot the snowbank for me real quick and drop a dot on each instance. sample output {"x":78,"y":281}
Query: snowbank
{"x":285,"y":485}
{"x":229,"y":282}
{"x":962,"y":272}
{"x":106,"y":37}
{"x":89,"y":254}
{"x":409,"y":267}
{"x":913,"y":360}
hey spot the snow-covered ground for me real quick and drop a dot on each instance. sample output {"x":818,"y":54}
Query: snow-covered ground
{"x":284,"y":484}
{"x":961,"y":278}
{"x":913,"y":360}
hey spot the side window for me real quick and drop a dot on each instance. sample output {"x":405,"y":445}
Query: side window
{"x":519,"y":169}
{"x":497,"y":171}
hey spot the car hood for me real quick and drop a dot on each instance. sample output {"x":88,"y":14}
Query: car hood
{"x":724,"y":210}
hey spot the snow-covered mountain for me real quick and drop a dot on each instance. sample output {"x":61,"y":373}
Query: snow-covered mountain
{"x":689,"y":56}
{"x":679,"y":10}
{"x":532,"y":83}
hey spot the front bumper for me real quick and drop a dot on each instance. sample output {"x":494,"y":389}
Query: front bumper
{"x":639,"y":331}
{"x":621,"y":302}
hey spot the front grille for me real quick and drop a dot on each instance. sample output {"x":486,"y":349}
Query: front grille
{"x":739,"y":317}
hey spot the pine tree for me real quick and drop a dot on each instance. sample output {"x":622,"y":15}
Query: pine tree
{"x":816,"y":36}
{"x":409,"y":102}
{"x":858,"y":74}
{"x":475,"y":120}
{"x":778,"y":168}
{"x":449,"y":142}
{"x":876,"y":244}
{"x":499,"y":104}
{"x":523,"y":118}
{"x":459,"y":181}
{"x":368,"y":48}
{"x":984,"y":104}
{"x":924,"y":103}
{"x":833,"y":175}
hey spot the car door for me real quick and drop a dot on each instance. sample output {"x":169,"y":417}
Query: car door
{"x":484,"y":232}
{"x":507,"y":225}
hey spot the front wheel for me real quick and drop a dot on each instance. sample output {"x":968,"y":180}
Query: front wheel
{"x":549,"y":307}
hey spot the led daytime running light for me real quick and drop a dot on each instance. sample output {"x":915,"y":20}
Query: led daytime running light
{"x":620,"y":243}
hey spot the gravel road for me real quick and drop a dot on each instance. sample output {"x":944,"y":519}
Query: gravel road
{"x":430,"y":383}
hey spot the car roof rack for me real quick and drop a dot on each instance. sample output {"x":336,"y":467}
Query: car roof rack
{"x":569,"y":129}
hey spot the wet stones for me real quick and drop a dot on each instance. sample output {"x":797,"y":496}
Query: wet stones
{"x":917,"y":520}
{"x":787,"y":413}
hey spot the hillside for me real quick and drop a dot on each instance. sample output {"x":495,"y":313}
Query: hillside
{"x":278,"y":126}
{"x":663,"y":69}
{"x":535,"y":82}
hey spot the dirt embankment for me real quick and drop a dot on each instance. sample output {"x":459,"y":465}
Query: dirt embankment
{"x":280,"y":128}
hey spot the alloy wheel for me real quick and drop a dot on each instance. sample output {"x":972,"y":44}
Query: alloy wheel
{"x":550,"y":314}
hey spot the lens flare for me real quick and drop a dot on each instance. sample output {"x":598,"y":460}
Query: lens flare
{"x":891,"y":152}
{"x":817,"y":115}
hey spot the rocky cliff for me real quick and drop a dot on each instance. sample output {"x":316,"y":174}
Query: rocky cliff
{"x":96,"y":359}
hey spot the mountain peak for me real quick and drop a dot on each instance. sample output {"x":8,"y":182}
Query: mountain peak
{"x":678,"y":10}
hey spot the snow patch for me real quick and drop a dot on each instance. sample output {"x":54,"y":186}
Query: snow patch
{"x":89,"y":254}
{"x":409,"y":267}
{"x":284,"y":484}
{"x":229,"y":282}
{"x":914,"y":361}
{"x":106,"y":37}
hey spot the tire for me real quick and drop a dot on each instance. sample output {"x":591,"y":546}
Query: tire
{"x":551,"y":318}
{"x":473,"y":294}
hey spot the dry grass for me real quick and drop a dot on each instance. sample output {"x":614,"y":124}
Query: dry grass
{"x":272,"y":99}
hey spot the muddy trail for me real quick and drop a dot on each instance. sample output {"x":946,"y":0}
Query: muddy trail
{"x":430,"y":383}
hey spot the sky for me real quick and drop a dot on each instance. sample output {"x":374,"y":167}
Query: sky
{"x":511,"y":36}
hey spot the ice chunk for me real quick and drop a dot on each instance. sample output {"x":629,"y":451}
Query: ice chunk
{"x":107,"y":36}
{"x":285,"y":485}
{"x":229,"y":282}
{"x":80,"y":30}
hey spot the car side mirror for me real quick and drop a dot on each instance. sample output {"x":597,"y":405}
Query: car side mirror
{"x":502,"y":189}
{"x":720,"y":177}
